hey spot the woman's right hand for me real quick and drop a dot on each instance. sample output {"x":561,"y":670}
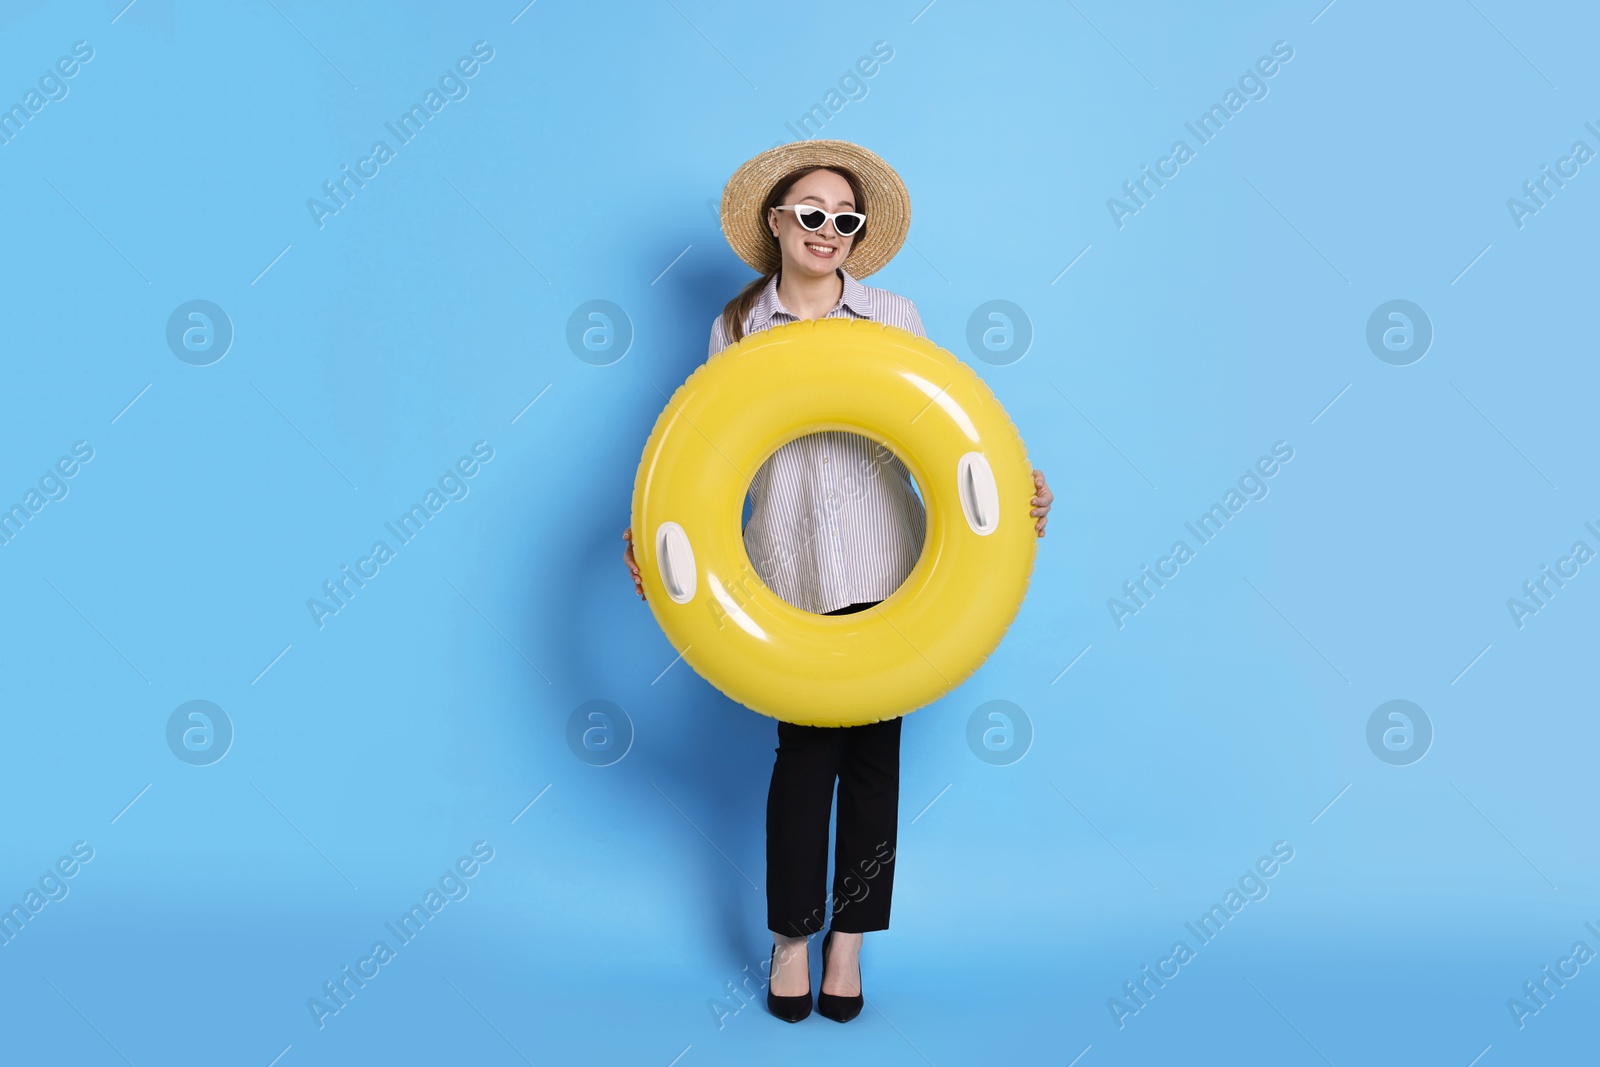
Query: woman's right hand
{"x":633,"y":566}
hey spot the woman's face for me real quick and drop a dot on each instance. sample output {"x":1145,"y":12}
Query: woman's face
{"x":819,"y":253}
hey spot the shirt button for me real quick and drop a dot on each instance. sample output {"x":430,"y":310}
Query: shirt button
{"x":824,"y":457}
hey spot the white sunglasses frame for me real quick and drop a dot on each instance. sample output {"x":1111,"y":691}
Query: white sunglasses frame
{"x":828,"y":216}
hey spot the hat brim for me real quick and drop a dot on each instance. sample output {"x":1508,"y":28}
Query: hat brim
{"x":888,"y":208}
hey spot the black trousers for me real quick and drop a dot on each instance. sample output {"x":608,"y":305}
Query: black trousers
{"x":865,"y":761}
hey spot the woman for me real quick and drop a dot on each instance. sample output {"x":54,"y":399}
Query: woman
{"x":812,"y":217}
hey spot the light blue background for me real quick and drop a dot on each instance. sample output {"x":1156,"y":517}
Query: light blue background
{"x":1228,"y":314}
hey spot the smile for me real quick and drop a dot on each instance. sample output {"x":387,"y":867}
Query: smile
{"x":822,"y":251}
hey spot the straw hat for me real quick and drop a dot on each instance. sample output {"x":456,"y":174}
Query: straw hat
{"x":888,"y":208}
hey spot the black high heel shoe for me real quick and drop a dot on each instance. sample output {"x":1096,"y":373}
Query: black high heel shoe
{"x":789,"y":1009}
{"x":839,"y":1009}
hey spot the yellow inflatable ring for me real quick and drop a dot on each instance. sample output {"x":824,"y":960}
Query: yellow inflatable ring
{"x":936,"y":416}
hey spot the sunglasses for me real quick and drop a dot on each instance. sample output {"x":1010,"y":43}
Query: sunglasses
{"x":845,"y":223}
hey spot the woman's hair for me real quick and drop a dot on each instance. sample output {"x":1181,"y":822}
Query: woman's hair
{"x":733,"y":315}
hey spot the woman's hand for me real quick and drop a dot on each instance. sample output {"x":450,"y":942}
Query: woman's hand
{"x":627,"y":557}
{"x":1041,"y":500}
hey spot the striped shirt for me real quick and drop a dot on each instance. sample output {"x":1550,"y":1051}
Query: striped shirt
{"x":834,"y":520}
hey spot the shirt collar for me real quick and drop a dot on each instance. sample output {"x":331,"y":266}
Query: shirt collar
{"x":857,"y":298}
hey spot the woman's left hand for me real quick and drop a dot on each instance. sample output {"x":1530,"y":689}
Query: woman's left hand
{"x":1042,"y":498}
